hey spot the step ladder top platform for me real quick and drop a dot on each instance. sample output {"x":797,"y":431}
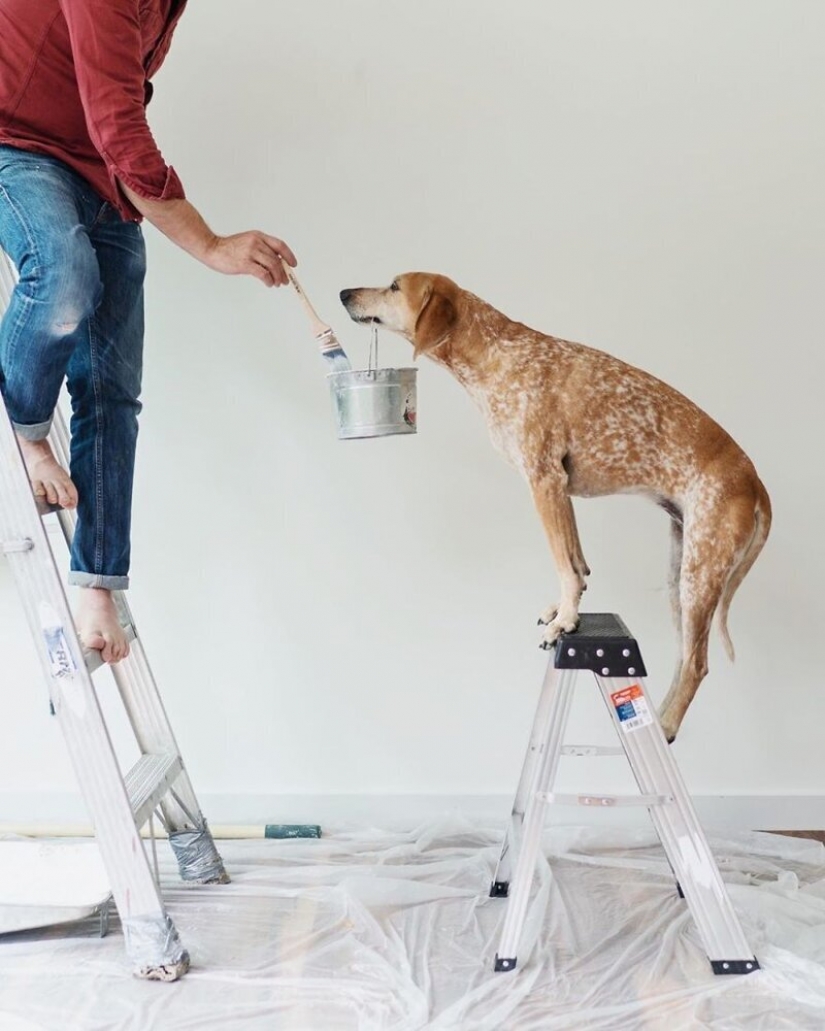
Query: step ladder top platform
{"x":602,"y":644}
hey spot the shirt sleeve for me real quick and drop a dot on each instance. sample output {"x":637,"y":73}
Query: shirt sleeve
{"x":107,"y":49}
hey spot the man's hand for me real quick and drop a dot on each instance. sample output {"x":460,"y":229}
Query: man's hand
{"x":244,"y":254}
{"x":253,"y":254}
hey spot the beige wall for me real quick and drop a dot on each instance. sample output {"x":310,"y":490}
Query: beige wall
{"x":360,"y":617}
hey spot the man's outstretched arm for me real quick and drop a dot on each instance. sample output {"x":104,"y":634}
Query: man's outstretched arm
{"x":252,"y":253}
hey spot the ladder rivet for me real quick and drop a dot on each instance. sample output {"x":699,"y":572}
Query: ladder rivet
{"x":626,"y":653}
{"x":632,"y":671}
{"x":571,"y":651}
{"x":605,"y":671}
{"x":600,"y":652}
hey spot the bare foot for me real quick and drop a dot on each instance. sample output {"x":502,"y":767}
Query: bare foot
{"x":98,"y":625}
{"x":49,"y":479}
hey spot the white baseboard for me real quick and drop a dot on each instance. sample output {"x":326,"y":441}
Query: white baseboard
{"x":731,"y":812}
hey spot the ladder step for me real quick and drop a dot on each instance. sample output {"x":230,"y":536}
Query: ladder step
{"x":591,"y":750}
{"x":93,"y":656}
{"x":45,"y":507}
{"x":148,"y":781}
{"x":604,"y":800}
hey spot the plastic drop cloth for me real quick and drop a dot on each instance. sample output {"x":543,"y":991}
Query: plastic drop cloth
{"x":389,"y":931}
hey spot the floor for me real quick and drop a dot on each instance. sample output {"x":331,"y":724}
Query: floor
{"x":371,"y":930}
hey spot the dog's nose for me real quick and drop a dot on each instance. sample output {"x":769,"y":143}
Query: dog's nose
{"x":345,"y":295}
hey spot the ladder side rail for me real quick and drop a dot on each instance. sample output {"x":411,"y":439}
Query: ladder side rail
{"x":679,"y":830}
{"x":134,"y":678}
{"x":189,"y":836}
{"x":535,"y":748}
{"x":75,"y":701}
{"x":559,"y":685}
{"x":8,"y":281}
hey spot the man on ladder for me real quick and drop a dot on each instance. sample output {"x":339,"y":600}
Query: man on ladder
{"x":79,"y":169}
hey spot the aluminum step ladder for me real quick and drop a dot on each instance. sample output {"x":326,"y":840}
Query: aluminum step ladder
{"x":603,"y":645}
{"x":119,"y":805}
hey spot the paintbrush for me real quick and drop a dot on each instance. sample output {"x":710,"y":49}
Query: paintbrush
{"x":331,"y":351}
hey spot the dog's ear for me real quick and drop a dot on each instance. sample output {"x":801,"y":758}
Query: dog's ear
{"x":435,"y":320}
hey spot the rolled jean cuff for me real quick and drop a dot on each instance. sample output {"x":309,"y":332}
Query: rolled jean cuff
{"x":36,"y":431}
{"x":107,"y":583}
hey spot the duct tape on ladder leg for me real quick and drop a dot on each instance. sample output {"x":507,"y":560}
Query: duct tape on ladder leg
{"x":155,"y":948}
{"x":197,"y":857}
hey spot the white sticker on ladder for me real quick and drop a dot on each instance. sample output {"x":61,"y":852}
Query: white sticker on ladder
{"x":631,"y":708}
{"x":63,"y":665}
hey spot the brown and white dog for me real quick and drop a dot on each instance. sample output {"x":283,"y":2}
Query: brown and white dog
{"x":579,"y":422}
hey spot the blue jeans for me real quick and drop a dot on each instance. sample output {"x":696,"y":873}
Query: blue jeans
{"x":76,"y":314}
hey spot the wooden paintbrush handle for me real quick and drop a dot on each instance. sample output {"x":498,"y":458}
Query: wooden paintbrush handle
{"x":318,"y":325}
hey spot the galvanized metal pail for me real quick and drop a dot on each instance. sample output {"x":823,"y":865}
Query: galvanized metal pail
{"x":373,"y":402}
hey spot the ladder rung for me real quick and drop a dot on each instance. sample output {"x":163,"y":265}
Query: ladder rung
{"x":45,"y":507}
{"x":604,"y":800}
{"x":592,"y":750}
{"x":148,"y":781}
{"x":93,"y":657}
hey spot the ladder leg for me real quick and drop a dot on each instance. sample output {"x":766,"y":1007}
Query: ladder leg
{"x":677,"y":825}
{"x":189,"y":836}
{"x":538,"y":738}
{"x":151,"y":939}
{"x":152,"y":942}
{"x":558,"y":687}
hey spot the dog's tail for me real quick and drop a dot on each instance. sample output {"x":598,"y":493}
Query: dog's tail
{"x":761,"y":529}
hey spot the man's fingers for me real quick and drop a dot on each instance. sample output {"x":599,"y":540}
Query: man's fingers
{"x":254,"y":254}
{"x":281,"y":248}
{"x":265,"y":256}
{"x":257,"y":270}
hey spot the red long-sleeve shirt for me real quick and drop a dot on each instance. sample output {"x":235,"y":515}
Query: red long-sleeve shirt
{"x":74,"y":84}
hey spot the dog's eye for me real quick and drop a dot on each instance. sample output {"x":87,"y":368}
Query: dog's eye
{"x":394,"y":286}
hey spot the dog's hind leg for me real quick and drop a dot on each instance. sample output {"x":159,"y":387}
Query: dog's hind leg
{"x":556,"y":511}
{"x":677,"y":538}
{"x":714,"y":546}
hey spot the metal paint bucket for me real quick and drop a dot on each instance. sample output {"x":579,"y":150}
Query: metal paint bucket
{"x":373,"y":402}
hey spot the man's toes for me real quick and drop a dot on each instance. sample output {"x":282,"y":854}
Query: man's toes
{"x":118,"y":649}
{"x":67,"y":496}
{"x":94,"y":641}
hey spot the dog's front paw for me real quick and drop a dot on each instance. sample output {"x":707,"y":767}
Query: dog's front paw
{"x":560,"y":623}
{"x":548,"y":615}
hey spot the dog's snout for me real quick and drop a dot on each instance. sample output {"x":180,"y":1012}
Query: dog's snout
{"x":345,"y":295}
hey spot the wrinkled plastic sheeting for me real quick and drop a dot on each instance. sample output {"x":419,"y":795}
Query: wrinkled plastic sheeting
{"x":380,"y":931}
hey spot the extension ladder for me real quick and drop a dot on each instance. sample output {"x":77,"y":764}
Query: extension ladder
{"x":603,"y":645}
{"x":158,"y":783}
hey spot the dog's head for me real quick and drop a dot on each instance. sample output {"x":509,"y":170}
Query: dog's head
{"x":417,"y":305}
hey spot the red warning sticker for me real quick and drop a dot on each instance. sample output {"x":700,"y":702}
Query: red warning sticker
{"x":631,"y":707}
